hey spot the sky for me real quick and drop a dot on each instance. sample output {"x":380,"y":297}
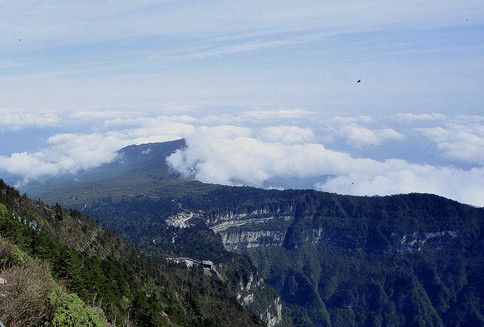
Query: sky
{"x":353,"y":97}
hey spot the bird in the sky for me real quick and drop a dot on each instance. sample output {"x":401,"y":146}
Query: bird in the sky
{"x":358,"y":81}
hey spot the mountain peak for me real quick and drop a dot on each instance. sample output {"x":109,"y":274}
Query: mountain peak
{"x":157,"y":149}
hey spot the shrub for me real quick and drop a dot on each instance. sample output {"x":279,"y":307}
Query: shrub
{"x":70,"y":310}
{"x":23,"y":300}
{"x":6,"y":254}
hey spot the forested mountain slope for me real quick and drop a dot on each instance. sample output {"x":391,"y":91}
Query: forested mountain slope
{"x":403,"y":260}
{"x":406,"y":260}
{"x":73,"y":261}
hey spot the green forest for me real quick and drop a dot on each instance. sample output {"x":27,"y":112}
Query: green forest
{"x":404,"y":260}
{"x":111,"y":283}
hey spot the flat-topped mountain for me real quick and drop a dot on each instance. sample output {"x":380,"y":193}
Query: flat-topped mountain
{"x":136,"y":165}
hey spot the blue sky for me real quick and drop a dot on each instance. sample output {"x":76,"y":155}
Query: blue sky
{"x":263,"y":91}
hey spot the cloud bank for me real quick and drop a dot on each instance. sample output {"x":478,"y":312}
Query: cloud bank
{"x":15,"y":119}
{"x":232,"y":156}
{"x":350,"y":155}
{"x":68,"y":153}
{"x":461,"y":140}
{"x":74,"y":152}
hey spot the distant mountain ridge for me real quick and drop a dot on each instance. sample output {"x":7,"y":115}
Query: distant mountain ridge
{"x":134,"y":164}
{"x":149,"y":159}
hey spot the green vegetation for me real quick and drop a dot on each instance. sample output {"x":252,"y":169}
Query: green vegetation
{"x":111,"y":275}
{"x":71,"y":311}
{"x":406,"y":260}
{"x":365,"y":288}
{"x":128,"y":215}
{"x":409,"y":260}
{"x":30,"y":296}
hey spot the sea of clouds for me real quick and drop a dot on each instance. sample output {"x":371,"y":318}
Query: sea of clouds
{"x":399,"y":153}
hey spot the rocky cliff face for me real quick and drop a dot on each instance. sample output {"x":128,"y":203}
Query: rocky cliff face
{"x":255,"y":294}
{"x":244,"y":230}
{"x":273,"y":314}
{"x":262,"y":228}
{"x":239,"y":239}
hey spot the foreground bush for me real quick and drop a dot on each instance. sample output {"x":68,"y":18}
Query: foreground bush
{"x":30,"y":297}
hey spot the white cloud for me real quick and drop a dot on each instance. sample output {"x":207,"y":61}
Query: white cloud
{"x":287,"y":134}
{"x":351,"y":130}
{"x":460,"y":139}
{"x":74,"y":152}
{"x":457,"y":184}
{"x":15,"y":119}
{"x":361,"y":136}
{"x":217,"y":155}
{"x":250,"y":148}
{"x":351,"y":120}
{"x":68,"y":153}
{"x":226,"y":131}
{"x":104,"y":114}
{"x":277,"y":114}
{"x":409,"y":117}
{"x":149,"y":129}
{"x":28,"y":165}
{"x":247,"y":160}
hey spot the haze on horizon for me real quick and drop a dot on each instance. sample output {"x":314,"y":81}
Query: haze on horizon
{"x":352,"y":97}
